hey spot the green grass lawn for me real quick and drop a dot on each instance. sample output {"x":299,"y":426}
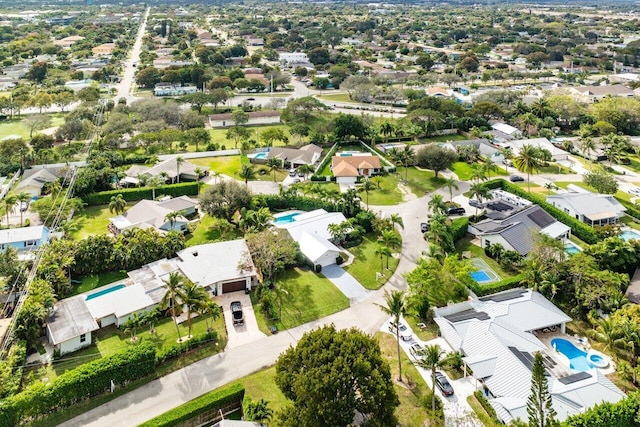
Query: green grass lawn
{"x":555,"y":168}
{"x":338,"y":97}
{"x":387,"y":194}
{"x":206,"y":232}
{"x":264,"y":174}
{"x":93,"y":220}
{"x":481,"y":413}
{"x":477,"y":252}
{"x":219,"y":135}
{"x":443,"y":138}
{"x":420,"y":181}
{"x":366,"y":263}
{"x":262,"y":385}
{"x":17,"y":126}
{"x":226,"y":165}
{"x":462,"y":169}
{"x":306,"y":296}
{"x":93,"y":282}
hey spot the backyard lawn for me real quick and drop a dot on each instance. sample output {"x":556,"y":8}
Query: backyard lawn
{"x":387,"y":194}
{"x":305,"y":295}
{"x":367,"y":263}
{"x":219,"y":135}
{"x":206,"y":232}
{"x":477,"y":252}
{"x":226,"y":165}
{"x":93,"y":282}
{"x":464,"y":170}
{"x":93,"y":220}
{"x":262,"y":385}
{"x":420,"y":181}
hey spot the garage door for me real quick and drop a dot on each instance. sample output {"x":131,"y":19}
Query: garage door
{"x":239,"y":285}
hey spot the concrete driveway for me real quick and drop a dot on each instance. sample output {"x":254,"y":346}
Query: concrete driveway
{"x":239,"y":334}
{"x":347,"y":284}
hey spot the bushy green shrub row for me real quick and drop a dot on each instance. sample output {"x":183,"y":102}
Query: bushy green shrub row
{"x":486,"y":405}
{"x":177,"y":349}
{"x":459,"y":228}
{"x":216,"y":399}
{"x":327,"y":158}
{"x":621,"y":414}
{"x":135,"y":194}
{"x":502,"y":285}
{"x":84,"y":382}
{"x":632,"y":210}
{"x":578,"y":228}
{"x":277,"y":202}
{"x":11,"y":369}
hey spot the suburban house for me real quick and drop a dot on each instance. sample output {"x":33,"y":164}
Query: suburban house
{"x":23,"y":238}
{"x":288,"y":58}
{"x":507,"y":130}
{"x":219,"y":267}
{"x":255,"y":118}
{"x":156,"y":214}
{"x":517,"y":232}
{"x":167,"y":61}
{"x":103,"y":49}
{"x":306,"y":155}
{"x":311,"y":231}
{"x":557,"y":154}
{"x":485,"y":149}
{"x":347,"y":169}
{"x":591,"y":94}
{"x":116,"y":307}
{"x":67,"y":42}
{"x":170,"y":89}
{"x":498,"y":337}
{"x":34,"y":180}
{"x":590,"y":208}
{"x":70,"y":324}
{"x":169,"y":169}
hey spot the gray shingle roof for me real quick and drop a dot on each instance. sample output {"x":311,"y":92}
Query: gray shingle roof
{"x":70,"y":318}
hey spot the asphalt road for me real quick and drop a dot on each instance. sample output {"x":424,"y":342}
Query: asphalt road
{"x":124,"y":87}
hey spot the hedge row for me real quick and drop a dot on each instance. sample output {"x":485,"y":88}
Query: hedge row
{"x":84,"y":382}
{"x":177,"y":349}
{"x":216,"y":399}
{"x":459,"y":228}
{"x":277,"y":202}
{"x":632,"y":210}
{"x":327,"y":158}
{"x":502,"y":285}
{"x":578,"y":228}
{"x":135,"y":194}
{"x":621,"y":414}
{"x":486,"y":405}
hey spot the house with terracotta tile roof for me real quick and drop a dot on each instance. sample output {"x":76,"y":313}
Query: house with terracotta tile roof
{"x":347,"y":169}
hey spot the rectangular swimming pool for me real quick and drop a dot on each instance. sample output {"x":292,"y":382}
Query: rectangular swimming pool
{"x":571,"y":249}
{"x":286,"y":219}
{"x":480,"y":276}
{"x":104,"y":292}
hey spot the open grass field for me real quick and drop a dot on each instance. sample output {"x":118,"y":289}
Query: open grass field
{"x":206,"y":231}
{"x":219,"y":135}
{"x":303,"y":296}
{"x":367,"y":263}
{"x":18,"y":127}
{"x":420,"y":181}
{"x":337,"y":97}
{"x":93,"y":220}
{"x":225,"y":165}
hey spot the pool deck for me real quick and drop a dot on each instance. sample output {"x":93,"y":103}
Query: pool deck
{"x":563,"y":368}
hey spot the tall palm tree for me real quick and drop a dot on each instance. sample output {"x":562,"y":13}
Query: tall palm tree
{"x":478,"y":173}
{"x":396,"y":219}
{"x":451,"y":183}
{"x":608,"y":332}
{"x":23,"y":197}
{"x":153,"y":183}
{"x":117,"y":204}
{"x":432,"y":358}
{"x":480,"y":193}
{"x":179,"y":161}
{"x":198,"y":173}
{"x":386,"y":129}
{"x":306,"y":169}
{"x":194,"y":298}
{"x":212,"y":310}
{"x":9,"y":202}
{"x":171,"y":217}
{"x":366,"y":186}
{"x":274,"y":164}
{"x":587,"y":146}
{"x":408,"y":157}
{"x":174,"y":297}
{"x":389,"y":238}
{"x":247,"y":173}
{"x":528,"y":160}
{"x":437,"y":204}
{"x":395,"y":307}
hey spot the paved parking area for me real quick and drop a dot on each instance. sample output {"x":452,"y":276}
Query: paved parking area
{"x":240,"y":334}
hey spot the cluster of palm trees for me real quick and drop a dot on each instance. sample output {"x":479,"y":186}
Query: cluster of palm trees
{"x":11,"y":200}
{"x":184,"y":296}
{"x":405,"y":157}
{"x":254,"y":221}
{"x":388,"y":239}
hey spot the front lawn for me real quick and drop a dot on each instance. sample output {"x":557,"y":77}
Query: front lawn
{"x":262,"y":385}
{"x":555,"y":168}
{"x":367,"y":263}
{"x":302,"y":296}
{"x":18,"y":127}
{"x":206,"y":231}
{"x":225,"y":165}
{"x":93,"y":220}
{"x":93,"y":282}
{"x":387,"y":194}
{"x":420,"y":181}
{"x":464,"y":170}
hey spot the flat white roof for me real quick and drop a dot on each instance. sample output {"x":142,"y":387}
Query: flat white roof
{"x":120,"y":302}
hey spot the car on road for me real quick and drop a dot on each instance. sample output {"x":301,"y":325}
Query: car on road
{"x":456,"y":211}
{"x":516,"y":178}
{"x":251,"y":99}
{"x":236,"y":312}
{"x":416,"y":351}
{"x":443,"y":384}
{"x":475,"y":203}
{"x":301,"y":174}
{"x":424,"y":227}
{"x":404,"y":333}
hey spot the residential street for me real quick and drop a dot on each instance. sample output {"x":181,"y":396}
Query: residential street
{"x":124,"y":87}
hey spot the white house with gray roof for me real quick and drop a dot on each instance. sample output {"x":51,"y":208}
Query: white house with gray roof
{"x":590,"y":208}
{"x":70,"y":324}
{"x":496,"y":335}
{"x":156,"y":214}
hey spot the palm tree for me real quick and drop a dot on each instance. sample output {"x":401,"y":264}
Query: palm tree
{"x":153,"y":183}
{"x":179,"y":161}
{"x":386,"y":251}
{"x":478,"y":174}
{"x":389,"y":238}
{"x":117,"y":204}
{"x":451,"y":183}
{"x":171,"y":217}
{"x":437,"y":204}
{"x":608,"y":332}
{"x":408,"y":157}
{"x":480,"y":193}
{"x":23,"y":197}
{"x":382,"y":251}
{"x":194,"y":298}
{"x":386,"y":129}
{"x":587,"y":146}
{"x":306,"y":169}
{"x":211,"y":309}
{"x":9,"y":203}
{"x":395,"y":307}
{"x":174,"y":297}
{"x":258,"y":410}
{"x":274,"y":164}
{"x":528,"y":160}
{"x":366,"y":186}
{"x":247,"y":172}
{"x":396,"y":219}
{"x":377,"y":180}
{"x":432,"y":359}
{"x":198,"y":173}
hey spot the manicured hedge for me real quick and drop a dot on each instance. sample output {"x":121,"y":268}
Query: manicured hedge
{"x":327,"y":158}
{"x":216,"y":399}
{"x":632,"y":210}
{"x":486,"y":405}
{"x":277,"y":202}
{"x":84,"y":382}
{"x":135,"y":194}
{"x":621,"y":414}
{"x":177,"y":349}
{"x":502,"y":285}
{"x":578,"y":228}
{"x":459,"y":228}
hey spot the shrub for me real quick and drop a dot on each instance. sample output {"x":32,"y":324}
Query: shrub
{"x":459,"y":228}
{"x":212,"y":401}
{"x":135,"y":194}
{"x":620,"y":414}
{"x":177,"y":349}
{"x":502,"y":285}
{"x":486,"y":405}
{"x":276,"y":202}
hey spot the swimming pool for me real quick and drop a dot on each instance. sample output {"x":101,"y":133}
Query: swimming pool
{"x":571,"y":249}
{"x":483,"y":273}
{"x":260,"y":156}
{"x":104,"y":292}
{"x":286,"y":219}
{"x":480,"y":276}
{"x":629,"y":234}
{"x":579,"y":360}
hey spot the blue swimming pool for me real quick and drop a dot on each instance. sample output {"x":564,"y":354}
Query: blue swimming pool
{"x":480,"y":276}
{"x":286,"y":219}
{"x":577,"y":358}
{"x":629,"y":234}
{"x":105,"y":291}
{"x":571,"y":249}
{"x":260,"y":156}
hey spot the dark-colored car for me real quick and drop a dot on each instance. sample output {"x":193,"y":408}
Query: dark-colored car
{"x":456,"y":211}
{"x":443,"y":384}
{"x":424,"y":227}
{"x":516,"y":178}
{"x":236,"y":312}
{"x":251,"y":99}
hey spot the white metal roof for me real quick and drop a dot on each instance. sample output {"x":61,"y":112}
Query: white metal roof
{"x":314,"y":247}
{"x":121,"y":302}
{"x":216,"y":262}
{"x":22,"y":234}
{"x":315,"y":222}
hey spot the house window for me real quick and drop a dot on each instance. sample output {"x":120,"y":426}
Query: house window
{"x":83,"y":337}
{"x":29,"y":243}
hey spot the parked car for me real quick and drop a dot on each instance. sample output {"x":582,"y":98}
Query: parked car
{"x":635,"y":191}
{"x":292,"y":173}
{"x":251,"y":99}
{"x":405,"y":335}
{"x":456,"y":211}
{"x":236,"y":312}
{"x":516,"y":178}
{"x":24,"y":206}
{"x":424,"y":227}
{"x":443,"y":384}
{"x":507,"y":162}
{"x":301,"y":174}
{"x":475,"y":203}
{"x":416,"y":350}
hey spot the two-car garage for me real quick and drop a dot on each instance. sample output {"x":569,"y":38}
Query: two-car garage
{"x":236,"y":285}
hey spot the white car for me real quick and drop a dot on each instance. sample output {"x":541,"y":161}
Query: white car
{"x":416,"y":351}
{"x":635,"y":191}
{"x":405,"y":334}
